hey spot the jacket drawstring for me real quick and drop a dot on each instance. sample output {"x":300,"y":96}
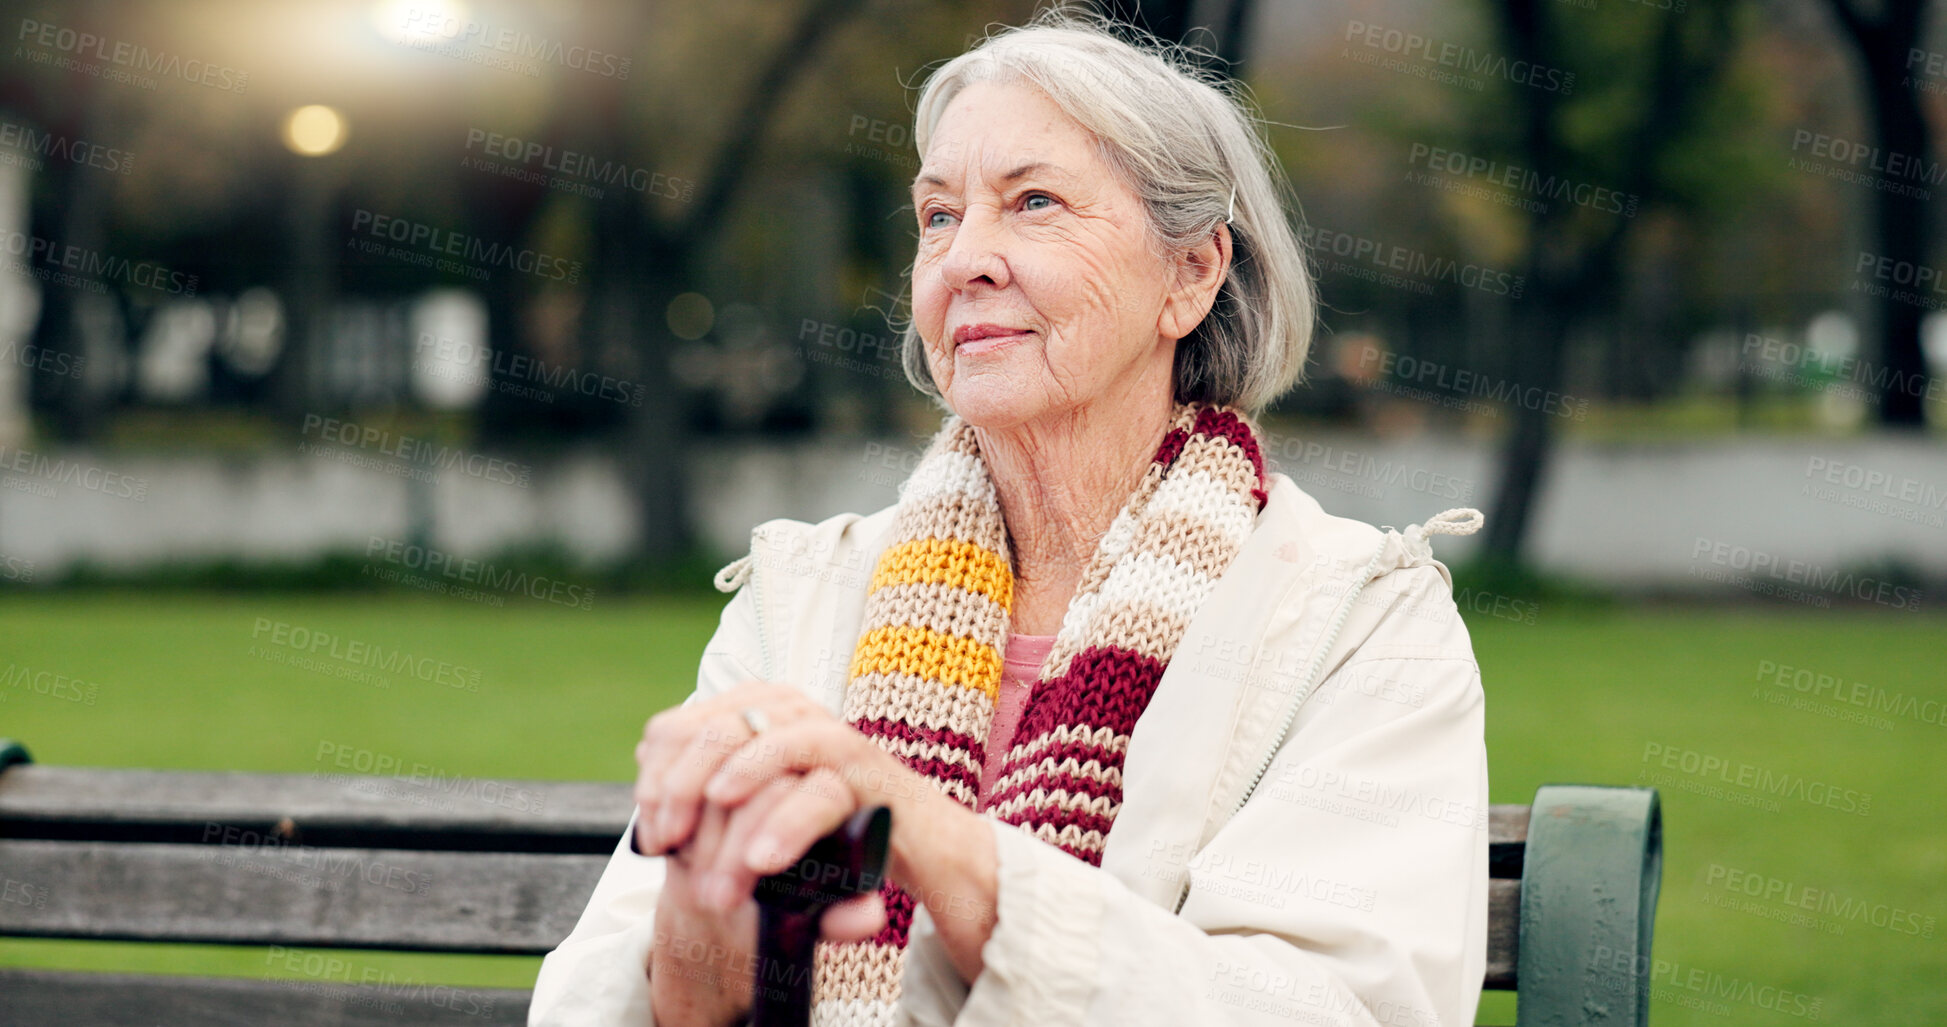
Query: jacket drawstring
{"x":733,"y":575}
{"x":1461,"y":520}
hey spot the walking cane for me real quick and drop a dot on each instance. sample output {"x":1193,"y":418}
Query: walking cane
{"x":847,"y":862}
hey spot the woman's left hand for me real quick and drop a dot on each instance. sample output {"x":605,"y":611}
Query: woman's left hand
{"x":788,"y":787}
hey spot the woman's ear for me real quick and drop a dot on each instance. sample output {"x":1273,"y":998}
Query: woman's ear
{"x":1200,"y":273}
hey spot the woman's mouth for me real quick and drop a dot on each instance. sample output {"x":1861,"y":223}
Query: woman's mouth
{"x":976,"y":340}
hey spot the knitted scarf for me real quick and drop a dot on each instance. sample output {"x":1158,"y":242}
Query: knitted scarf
{"x":926,"y":674}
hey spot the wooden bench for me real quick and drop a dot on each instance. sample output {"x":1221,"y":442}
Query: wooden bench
{"x":311,"y":864}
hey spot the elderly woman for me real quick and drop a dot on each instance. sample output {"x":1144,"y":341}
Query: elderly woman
{"x":1164,"y":743}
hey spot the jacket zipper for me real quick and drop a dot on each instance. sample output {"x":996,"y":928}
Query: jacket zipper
{"x":1291,"y":713}
{"x":757,"y":577}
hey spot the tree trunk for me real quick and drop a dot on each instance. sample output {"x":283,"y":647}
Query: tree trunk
{"x":1541,"y":329}
{"x":1539,"y":321}
{"x":1884,"y":43}
{"x":1903,"y":232}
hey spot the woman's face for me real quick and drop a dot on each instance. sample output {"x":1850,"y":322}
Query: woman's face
{"x":1023,"y":228}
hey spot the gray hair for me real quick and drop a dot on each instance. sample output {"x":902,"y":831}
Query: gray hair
{"x":1181,"y":138}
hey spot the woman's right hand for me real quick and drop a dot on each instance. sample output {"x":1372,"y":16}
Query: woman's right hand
{"x":704,"y":961}
{"x":701,"y":971}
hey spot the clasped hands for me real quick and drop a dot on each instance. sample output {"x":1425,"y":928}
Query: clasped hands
{"x":729,"y":806}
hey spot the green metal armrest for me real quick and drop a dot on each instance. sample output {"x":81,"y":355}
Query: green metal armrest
{"x":1589,"y":882}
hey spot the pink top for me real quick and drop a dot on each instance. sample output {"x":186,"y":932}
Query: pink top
{"x":1020,"y":667}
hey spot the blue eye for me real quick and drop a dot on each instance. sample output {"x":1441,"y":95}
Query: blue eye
{"x":1039,"y":196}
{"x":930,"y":223}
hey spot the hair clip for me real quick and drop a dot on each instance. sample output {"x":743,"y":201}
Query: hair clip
{"x":1231,"y":210}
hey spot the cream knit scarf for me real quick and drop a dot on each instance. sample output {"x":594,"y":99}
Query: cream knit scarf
{"x":926,"y":674}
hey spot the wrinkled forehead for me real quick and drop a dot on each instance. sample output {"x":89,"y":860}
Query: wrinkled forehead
{"x":999,"y":133}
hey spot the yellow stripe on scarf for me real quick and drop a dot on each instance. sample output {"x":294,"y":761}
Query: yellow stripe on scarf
{"x":941,"y":561}
{"x":921,"y":652}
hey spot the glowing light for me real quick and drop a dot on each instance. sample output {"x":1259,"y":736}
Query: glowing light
{"x":314,"y":131}
{"x":691,"y":316}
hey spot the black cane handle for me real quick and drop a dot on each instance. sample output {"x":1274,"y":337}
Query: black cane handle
{"x":849,"y":861}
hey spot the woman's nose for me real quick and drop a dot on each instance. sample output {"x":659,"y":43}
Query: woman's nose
{"x":978,"y":251}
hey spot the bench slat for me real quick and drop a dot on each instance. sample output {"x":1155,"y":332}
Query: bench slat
{"x":1507,"y":839}
{"x":158,"y":805}
{"x":43,"y":998}
{"x":1503,"y":934}
{"x":256,"y":895}
{"x":470,"y":814}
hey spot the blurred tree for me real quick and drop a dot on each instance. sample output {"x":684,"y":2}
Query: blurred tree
{"x":74,"y":209}
{"x":641,"y":262}
{"x":1573,"y":259}
{"x":1885,"y":46}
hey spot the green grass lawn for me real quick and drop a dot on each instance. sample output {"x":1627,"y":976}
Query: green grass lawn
{"x":1580,"y":696}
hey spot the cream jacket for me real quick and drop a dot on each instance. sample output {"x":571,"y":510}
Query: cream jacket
{"x":1303,"y":836}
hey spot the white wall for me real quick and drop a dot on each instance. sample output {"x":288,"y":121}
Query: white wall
{"x":1631,"y":514}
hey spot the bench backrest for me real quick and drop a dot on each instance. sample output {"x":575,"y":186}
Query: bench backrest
{"x":321,"y":862}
